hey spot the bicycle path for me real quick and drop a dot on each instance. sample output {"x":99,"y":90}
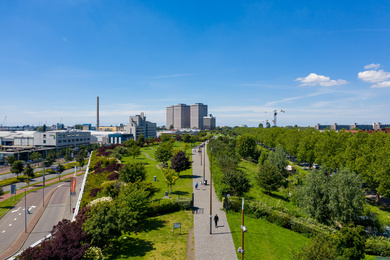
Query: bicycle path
{"x":219,"y":244}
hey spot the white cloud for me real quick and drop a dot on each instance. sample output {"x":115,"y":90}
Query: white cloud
{"x":374,"y":76}
{"x":314,"y":79}
{"x":372,"y":66}
{"x":383,"y":84}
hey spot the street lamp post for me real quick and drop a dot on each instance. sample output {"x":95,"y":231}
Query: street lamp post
{"x":211,"y":187}
{"x":25,"y":211}
{"x":43,"y":187}
{"x":204,"y":159}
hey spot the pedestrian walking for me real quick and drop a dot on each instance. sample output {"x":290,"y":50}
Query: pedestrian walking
{"x":28,"y":212}
{"x":201,"y":185}
{"x":216,"y":218}
{"x":196,"y":185}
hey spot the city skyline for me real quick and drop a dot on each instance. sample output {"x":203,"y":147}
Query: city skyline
{"x":321,"y":62}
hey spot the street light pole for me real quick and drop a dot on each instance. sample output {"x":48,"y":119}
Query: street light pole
{"x":43,"y":187}
{"x":242,"y":230}
{"x":204,"y":159}
{"x":211,"y":187}
{"x":25,"y":211}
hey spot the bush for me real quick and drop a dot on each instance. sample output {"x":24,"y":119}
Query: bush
{"x":94,"y":192}
{"x":378,"y":246}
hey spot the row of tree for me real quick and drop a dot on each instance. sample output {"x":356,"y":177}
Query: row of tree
{"x":363,"y":153}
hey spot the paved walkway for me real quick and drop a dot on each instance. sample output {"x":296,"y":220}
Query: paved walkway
{"x":219,"y":244}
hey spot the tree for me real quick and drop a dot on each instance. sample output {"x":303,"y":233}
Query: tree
{"x":28,"y":171}
{"x":246,"y":146}
{"x":164,"y":152}
{"x":327,"y":199}
{"x":61,"y":168}
{"x":134,"y":151}
{"x":186,"y":138}
{"x":346,"y":204}
{"x":17,"y":168}
{"x":278,"y":158}
{"x":269,"y":177}
{"x":35,"y":156}
{"x":67,"y":155}
{"x":186,"y":146}
{"x":268,"y":125}
{"x":180,"y":162}
{"x":237,"y":181}
{"x":320,"y":248}
{"x":171,"y":176}
{"x":10,"y":159}
{"x":350,"y":242}
{"x":165,"y":137}
{"x":133,"y":172}
{"x":129,"y":143}
{"x":261,"y":125}
{"x":171,"y":127}
{"x":80,"y":160}
{"x":49,"y":160}
{"x":141,"y":140}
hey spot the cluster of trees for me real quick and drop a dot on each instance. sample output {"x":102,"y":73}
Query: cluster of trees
{"x":227,"y":177}
{"x":363,"y":153}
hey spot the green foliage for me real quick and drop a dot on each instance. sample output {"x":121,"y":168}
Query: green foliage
{"x":326,"y":198}
{"x":133,"y":172}
{"x":165,"y":137}
{"x":247,"y":147}
{"x":28,"y":171}
{"x":61,"y":168}
{"x":164,"y":152}
{"x":17,"y":168}
{"x":80,"y":160}
{"x":350,"y":242}
{"x":278,"y":158}
{"x":134,"y":151}
{"x":50,"y":159}
{"x":129,"y":143}
{"x":236,"y":182}
{"x":94,"y":253}
{"x":321,"y":248}
{"x":35,"y":156}
{"x":378,"y":246}
{"x":171,"y":176}
{"x":269,"y":177}
{"x":10,"y":160}
{"x":141,"y":140}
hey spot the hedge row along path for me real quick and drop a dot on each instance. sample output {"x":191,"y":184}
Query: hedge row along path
{"x":218,"y":245}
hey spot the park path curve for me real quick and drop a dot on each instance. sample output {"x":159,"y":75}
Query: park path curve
{"x":219,"y":244}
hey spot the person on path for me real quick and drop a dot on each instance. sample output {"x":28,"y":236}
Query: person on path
{"x":216,"y":218}
{"x":196,"y":185}
{"x":201,"y":185}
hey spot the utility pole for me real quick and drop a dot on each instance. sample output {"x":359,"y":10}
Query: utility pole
{"x":242,"y":231}
{"x":25,"y":211}
{"x":70,"y":195}
{"x":204,"y":159}
{"x":43,"y":187}
{"x":211,"y":187}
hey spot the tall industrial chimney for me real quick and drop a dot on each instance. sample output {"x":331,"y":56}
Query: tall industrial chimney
{"x":97,"y":114}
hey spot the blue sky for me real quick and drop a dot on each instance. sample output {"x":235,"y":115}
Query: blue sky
{"x":320,"y":61}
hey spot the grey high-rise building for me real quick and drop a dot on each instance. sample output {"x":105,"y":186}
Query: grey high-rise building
{"x":198,"y":111}
{"x":138,"y":125}
{"x":209,"y":122}
{"x":170,"y":117}
{"x":181,"y":116}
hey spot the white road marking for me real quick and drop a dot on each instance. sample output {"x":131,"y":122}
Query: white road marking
{"x":15,"y":210}
{"x":10,"y":225}
{"x":3,"y":231}
{"x":60,"y":185}
{"x":20,"y":214}
{"x":15,"y":219}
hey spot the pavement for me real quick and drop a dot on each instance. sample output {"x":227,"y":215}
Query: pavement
{"x":219,"y":244}
{"x":41,"y":219}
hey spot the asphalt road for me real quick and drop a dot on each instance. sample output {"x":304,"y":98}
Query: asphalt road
{"x":12,"y":224}
{"x":39,"y":179}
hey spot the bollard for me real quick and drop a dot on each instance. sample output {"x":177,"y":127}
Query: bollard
{"x":154,"y":178}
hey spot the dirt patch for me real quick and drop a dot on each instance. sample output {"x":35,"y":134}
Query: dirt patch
{"x":190,"y":245}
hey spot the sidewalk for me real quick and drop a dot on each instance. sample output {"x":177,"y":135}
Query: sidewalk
{"x":219,"y":244}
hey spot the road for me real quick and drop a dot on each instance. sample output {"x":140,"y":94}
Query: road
{"x":12,"y":224}
{"x":39,"y":179}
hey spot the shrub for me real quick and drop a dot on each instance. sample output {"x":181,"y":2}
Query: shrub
{"x":378,"y":246}
{"x":94,"y":192}
{"x":113,"y":176}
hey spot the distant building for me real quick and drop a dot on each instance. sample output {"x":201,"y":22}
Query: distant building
{"x":209,"y":122}
{"x":375,"y":126}
{"x":108,"y":128}
{"x":138,"y":125}
{"x":87,"y":127}
{"x":183,"y":116}
{"x":198,"y":112}
{"x":62,"y":138}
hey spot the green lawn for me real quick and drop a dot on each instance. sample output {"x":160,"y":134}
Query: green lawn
{"x":183,"y":186}
{"x":158,"y":242}
{"x":264,"y":240}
